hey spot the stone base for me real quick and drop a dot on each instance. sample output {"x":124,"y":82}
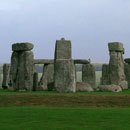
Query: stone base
{"x":64,"y":76}
{"x":124,"y":85}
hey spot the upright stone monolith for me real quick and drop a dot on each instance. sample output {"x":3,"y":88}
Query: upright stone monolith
{"x":0,"y":81}
{"x":64,"y":68}
{"x":22,"y":66}
{"x":127,"y":70}
{"x":6,"y":70}
{"x":89,"y":75}
{"x":35,"y":81}
{"x":116,"y":65}
{"x":105,"y":74}
{"x":47,"y":77}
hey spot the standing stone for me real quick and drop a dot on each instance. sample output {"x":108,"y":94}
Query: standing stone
{"x":88,"y":74}
{"x":6,"y":70}
{"x":22,"y":67}
{"x":0,"y":81}
{"x":64,"y":68}
{"x":35,"y":81}
{"x":47,"y":77}
{"x":105,"y":74}
{"x":127,"y":71}
{"x":116,"y":65}
{"x":65,"y":80}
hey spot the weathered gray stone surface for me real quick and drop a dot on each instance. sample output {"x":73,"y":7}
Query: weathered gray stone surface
{"x":22,"y":47}
{"x":127,"y":73}
{"x":51,"y":86}
{"x":105,"y":74}
{"x":116,"y":63}
{"x":116,"y":46}
{"x":35,"y":81}
{"x":63,"y":49}
{"x":6,"y":70}
{"x":51,"y":61}
{"x":127,"y":60}
{"x":43,"y":61}
{"x":83,"y":87}
{"x":88,"y":74}
{"x":79,"y":61}
{"x":110,"y":88}
{"x":47,"y":77}
{"x":22,"y":69}
{"x":64,"y":74}
{"x":0,"y":81}
{"x":124,"y":85}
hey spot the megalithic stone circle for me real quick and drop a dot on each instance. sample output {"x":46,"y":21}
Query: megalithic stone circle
{"x":64,"y":68}
{"x":22,"y":66}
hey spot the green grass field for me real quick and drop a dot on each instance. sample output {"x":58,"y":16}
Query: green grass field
{"x":43,"y":118}
{"x":6,"y":92}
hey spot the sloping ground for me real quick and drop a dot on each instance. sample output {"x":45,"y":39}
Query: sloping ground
{"x":64,"y":100}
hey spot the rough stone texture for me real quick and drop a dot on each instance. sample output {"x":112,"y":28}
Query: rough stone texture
{"x":105,"y":74}
{"x":22,"y":69}
{"x":116,"y":46}
{"x":83,"y":87}
{"x":124,"y":85}
{"x":63,"y":49}
{"x":116,"y":64}
{"x":6,"y":70}
{"x":110,"y":88}
{"x":47,"y":76}
{"x":127,"y":60}
{"x":64,"y":74}
{"x":78,"y":61}
{"x":88,"y":74}
{"x":51,"y":86}
{"x":35,"y":81}
{"x":43,"y":61}
{"x":0,"y":81}
{"x":22,"y":47}
{"x":127,"y":73}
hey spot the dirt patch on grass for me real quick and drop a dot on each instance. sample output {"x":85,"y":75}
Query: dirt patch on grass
{"x":65,"y":100}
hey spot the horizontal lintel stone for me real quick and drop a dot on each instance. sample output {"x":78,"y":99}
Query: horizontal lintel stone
{"x":22,"y":46}
{"x":116,"y":46}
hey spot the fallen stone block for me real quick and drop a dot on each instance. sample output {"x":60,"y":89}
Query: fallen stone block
{"x":83,"y":87}
{"x":110,"y":88}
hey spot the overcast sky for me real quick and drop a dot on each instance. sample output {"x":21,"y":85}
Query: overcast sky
{"x":89,"y":24}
